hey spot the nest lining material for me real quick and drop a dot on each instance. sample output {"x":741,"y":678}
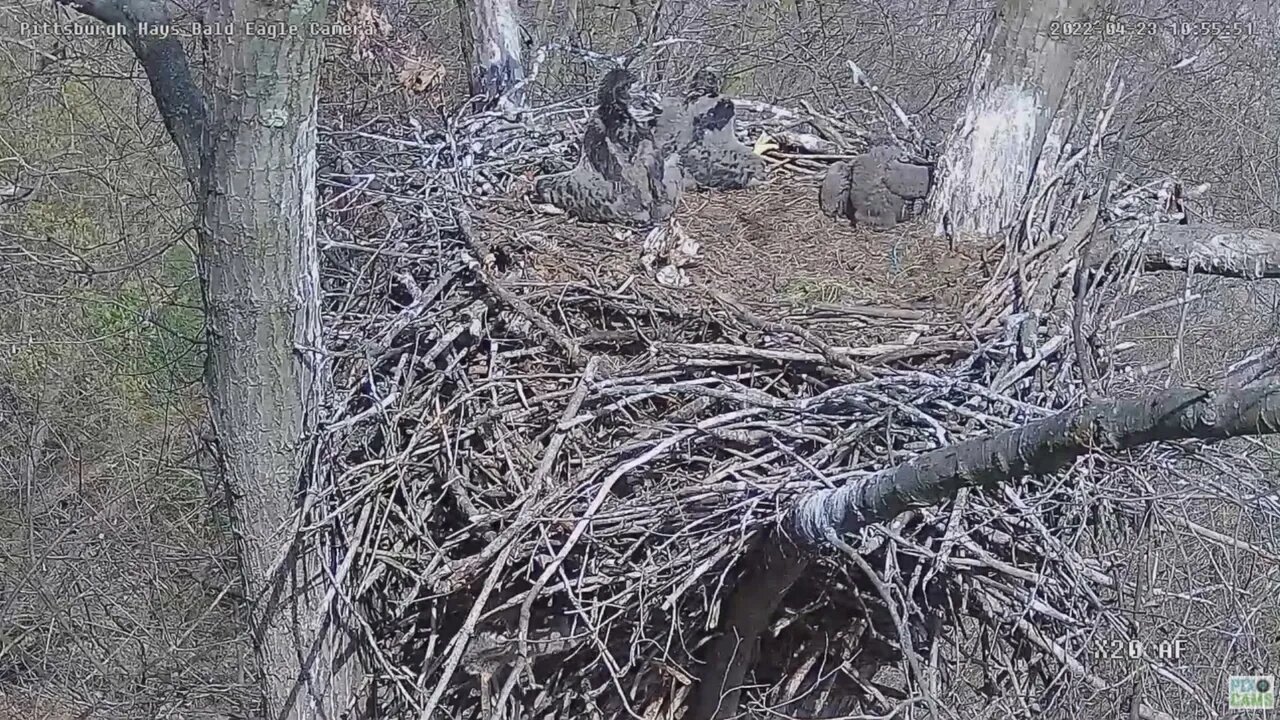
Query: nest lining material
{"x":551,"y":464}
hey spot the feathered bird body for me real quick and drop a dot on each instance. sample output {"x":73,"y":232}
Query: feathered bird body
{"x":622,"y":176}
{"x":704,"y":83}
{"x":701,"y":130}
{"x":672,"y":128}
{"x":833,"y":197}
{"x":874,"y":188}
{"x":613,"y":109}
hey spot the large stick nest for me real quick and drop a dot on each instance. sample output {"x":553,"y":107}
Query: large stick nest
{"x":547,"y":460}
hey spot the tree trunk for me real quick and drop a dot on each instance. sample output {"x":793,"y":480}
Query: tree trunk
{"x":1017,"y":86}
{"x":261,"y":275}
{"x":491,"y":47}
{"x":773,"y":565}
{"x":250,"y":153}
{"x":1039,"y":447}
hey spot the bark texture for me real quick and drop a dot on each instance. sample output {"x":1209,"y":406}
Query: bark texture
{"x":1040,"y":447}
{"x":1017,"y":88}
{"x":1210,"y":249}
{"x":250,"y":154}
{"x":260,"y":267}
{"x":773,"y":566}
{"x":491,"y":46}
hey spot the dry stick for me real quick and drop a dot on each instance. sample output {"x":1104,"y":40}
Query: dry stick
{"x":539,"y":478}
{"x":826,"y":126}
{"x":463,"y":637}
{"x":1083,"y":357}
{"x":865,"y":82}
{"x":379,"y":653}
{"x":1042,"y":296}
{"x":1183,"y":300}
{"x":810,"y":156}
{"x":606,"y":486}
{"x":1030,"y":632}
{"x":1032,"y":208}
{"x":951,"y":534}
{"x":570,"y":347}
{"x":1039,"y":447}
{"x":1176,"y":355}
{"x":904,"y":634}
{"x":525,"y":518}
{"x":1024,"y":368}
{"x":1135,"y":691}
{"x":1221,"y":539}
{"x":832,"y":356}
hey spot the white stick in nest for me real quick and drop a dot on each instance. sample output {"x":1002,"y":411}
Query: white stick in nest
{"x":861,"y":78}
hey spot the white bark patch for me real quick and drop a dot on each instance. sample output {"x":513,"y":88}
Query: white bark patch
{"x":501,"y":38}
{"x":509,"y":30}
{"x":989,"y":162}
{"x":309,"y":265}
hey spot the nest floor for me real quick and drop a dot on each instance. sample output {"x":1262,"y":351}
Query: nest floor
{"x":764,"y":246}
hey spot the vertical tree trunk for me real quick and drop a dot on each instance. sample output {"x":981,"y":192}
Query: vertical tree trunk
{"x":250,"y":152}
{"x":260,"y":267}
{"x":1018,"y":84}
{"x":491,"y":46}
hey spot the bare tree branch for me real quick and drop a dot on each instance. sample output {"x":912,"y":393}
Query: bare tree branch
{"x":1039,"y":447}
{"x":1210,"y":249}
{"x":181,"y":104}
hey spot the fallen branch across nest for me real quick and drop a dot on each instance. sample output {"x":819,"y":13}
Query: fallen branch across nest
{"x":552,"y":489}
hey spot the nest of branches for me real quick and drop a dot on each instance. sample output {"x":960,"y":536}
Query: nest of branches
{"x":550,"y":466}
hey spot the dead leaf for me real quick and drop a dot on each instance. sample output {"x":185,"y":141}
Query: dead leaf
{"x":420,"y":75}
